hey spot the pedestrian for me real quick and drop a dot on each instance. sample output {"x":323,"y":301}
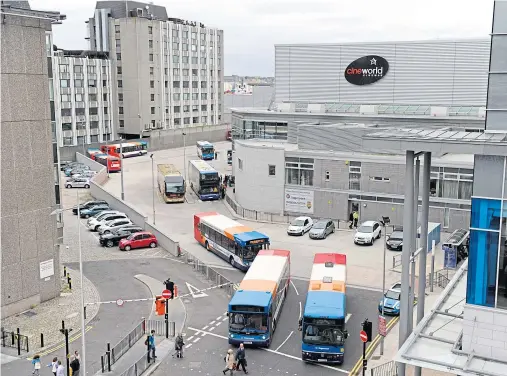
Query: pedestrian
{"x":60,"y":371}
{"x":147,"y":344}
{"x":351,"y":220}
{"x":75,"y":365}
{"x":222,"y":189}
{"x":226,"y":179}
{"x":356,"y":218}
{"x":229,"y":362}
{"x":36,"y":364}
{"x":178,"y":346}
{"x":152,"y":344}
{"x":76,"y":354}
{"x":54,"y":365}
{"x":216,"y":155}
{"x":241,"y":357}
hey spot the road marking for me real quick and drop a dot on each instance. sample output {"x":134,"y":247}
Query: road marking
{"x":295,"y":289}
{"x":348,"y":317}
{"x":212,"y":323}
{"x":191,"y":338}
{"x":173,"y":259}
{"x":155,"y":254}
{"x":300,"y":310}
{"x":205,"y":327}
{"x":218,"y":318}
{"x":197,"y":339}
{"x":224,"y":319}
{"x":195,"y":292}
{"x":62,"y":345}
{"x":275,"y":352}
{"x":187,"y":346}
{"x":212,"y":328}
{"x":286,"y":339}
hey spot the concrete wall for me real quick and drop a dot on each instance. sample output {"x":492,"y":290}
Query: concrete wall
{"x":94,"y":166}
{"x":163,"y":240}
{"x":28,"y":231}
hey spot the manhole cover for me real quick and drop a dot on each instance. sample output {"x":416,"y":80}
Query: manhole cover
{"x":29,"y":313}
{"x":194,"y":365}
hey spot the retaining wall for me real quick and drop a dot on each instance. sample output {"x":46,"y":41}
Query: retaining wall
{"x":163,"y":240}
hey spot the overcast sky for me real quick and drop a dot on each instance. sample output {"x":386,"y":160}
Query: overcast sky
{"x":253,"y":27}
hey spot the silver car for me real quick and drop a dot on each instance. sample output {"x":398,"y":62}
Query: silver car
{"x":321,"y":229}
{"x":77,"y":183}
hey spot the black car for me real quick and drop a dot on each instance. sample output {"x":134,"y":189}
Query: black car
{"x":88,"y":205}
{"x":112,"y":239}
{"x":395,"y":240}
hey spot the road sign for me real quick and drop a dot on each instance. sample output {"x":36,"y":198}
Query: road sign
{"x":363,"y":336}
{"x":166,"y":294}
{"x":382,"y":327}
{"x":450,"y":257}
{"x":119,"y":302}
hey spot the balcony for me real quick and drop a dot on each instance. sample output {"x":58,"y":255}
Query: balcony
{"x":66,"y":104}
{"x":94,"y":117}
{"x":78,"y":76}
{"x":64,"y":75}
{"x":66,"y":119}
{"x":106,"y":117}
{"x":65,"y":90}
{"x":186,"y":78}
{"x":81,"y":118}
{"x":79,"y":90}
{"x":94,"y":131}
{"x":92,"y":76}
{"x":176,"y":90}
{"x":91,"y":90}
{"x":80,"y":105}
{"x":67,"y":133}
{"x":81,"y":132}
{"x":93,"y":104}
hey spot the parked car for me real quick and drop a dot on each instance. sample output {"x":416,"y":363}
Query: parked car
{"x":368,"y":232}
{"x":66,"y":165}
{"x":77,"y":172}
{"x":391,"y":300}
{"x":94,"y":222}
{"x":395,"y":240}
{"x":300,"y":226}
{"x":87,"y":213}
{"x":115,"y":224}
{"x":113,"y":238}
{"x":74,"y":170}
{"x":88,"y":205}
{"x":138,"y":240}
{"x":321,"y":229}
{"x":79,"y":182}
{"x":85,"y":174}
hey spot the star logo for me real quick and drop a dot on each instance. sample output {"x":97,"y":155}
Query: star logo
{"x":373,"y":61}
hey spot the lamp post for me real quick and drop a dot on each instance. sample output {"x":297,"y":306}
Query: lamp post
{"x":153,"y":182}
{"x":383,"y":284}
{"x":184,"y":156}
{"x":121,"y":170}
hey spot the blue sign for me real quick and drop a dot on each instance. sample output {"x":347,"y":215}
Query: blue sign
{"x":450,"y":257}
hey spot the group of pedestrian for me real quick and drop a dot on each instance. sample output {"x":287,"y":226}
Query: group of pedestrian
{"x":353,"y":219}
{"x":56,"y":365}
{"x":233,"y":362}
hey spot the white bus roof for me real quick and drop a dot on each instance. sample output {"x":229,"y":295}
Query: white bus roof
{"x":220,"y":222}
{"x":338,"y":272}
{"x":204,"y":143}
{"x":202,"y":166}
{"x":267,"y":268}
{"x":168,"y":169}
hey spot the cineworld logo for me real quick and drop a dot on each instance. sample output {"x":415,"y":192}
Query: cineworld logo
{"x":366,"y":70}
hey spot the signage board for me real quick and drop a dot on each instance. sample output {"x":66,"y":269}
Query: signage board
{"x":46,"y":269}
{"x":450,"y":257}
{"x":298,"y":201}
{"x":366,"y":70}
{"x":382,"y":326}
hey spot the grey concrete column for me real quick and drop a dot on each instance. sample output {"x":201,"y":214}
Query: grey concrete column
{"x":408,"y":218}
{"x":425,"y":208}
{"x":413,"y":246}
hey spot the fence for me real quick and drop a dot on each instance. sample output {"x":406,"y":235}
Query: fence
{"x":159,"y":327}
{"x":14,"y":340}
{"x":386,"y":369}
{"x":138,"y":368}
{"x":123,"y":346}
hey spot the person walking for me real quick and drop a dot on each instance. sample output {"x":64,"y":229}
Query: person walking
{"x":178,"y":346}
{"x":152,"y":345}
{"x":355,"y":216}
{"x":229,"y":362}
{"x":75,"y":364}
{"x":36,"y":364}
{"x":54,"y":365}
{"x":223,"y":191}
{"x":60,"y":371}
{"x":351,"y":220}
{"x":78,"y":357}
{"x":241,"y":358}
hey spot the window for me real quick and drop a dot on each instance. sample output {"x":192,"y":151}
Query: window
{"x":152,"y":71}
{"x":195,"y":120}
{"x":194,"y":72}
{"x":204,"y":107}
{"x":67,"y":141}
{"x":299,"y":171}
{"x":177,"y":109}
{"x":152,"y":97}
{"x":203,"y":84}
{"x":105,"y":110}
{"x":355,"y":176}
{"x":116,"y":28}
{"x":66,"y":126}
{"x":195,"y":84}
{"x":92,"y":83}
{"x":380,"y":179}
{"x":185,"y":84}
{"x":186,"y":96}
{"x":92,"y":97}
{"x":185,"y":72}
{"x":120,"y":83}
{"x":78,"y":83}
{"x":176,"y":46}
{"x":65,"y":97}
{"x":328,"y":175}
{"x":104,"y":83}
{"x":195,"y":96}
{"x":186,"y":120}
{"x":153,"y":110}
{"x":204,"y":119}
{"x":176,"y":84}
{"x":120,"y":97}
{"x":194,"y":35}
{"x":120,"y":110}
{"x":79,"y":97}
{"x":150,"y":43}
{"x":93,"y":111}
{"x":204,"y":96}
{"x":66,"y":112}
{"x":240,"y":163}
{"x":186,"y":108}
{"x":195,"y":60}
{"x":271,"y":170}
{"x":184,"y":59}
{"x":118,"y":56}
{"x":195,"y":108}
{"x":185,"y":34}
{"x":176,"y":71}
{"x":118,"y":70}
{"x":150,"y":57}
{"x":152,"y":84}
{"x":185,"y":47}
{"x":203,"y":60}
{"x":64,"y":68}
{"x":122,"y":123}
{"x":212,"y":106}
{"x":78,"y":69}
{"x":456,"y":183}
{"x":150,"y":29}
{"x":177,"y":121}
{"x":176,"y":96}
{"x":92,"y":69}
{"x":104,"y":97}
{"x":176,"y":59}
{"x":118,"y":44}
{"x":165,"y":71}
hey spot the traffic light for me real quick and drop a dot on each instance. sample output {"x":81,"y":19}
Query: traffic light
{"x":367,"y":327}
{"x":169,"y":285}
{"x":159,"y":305}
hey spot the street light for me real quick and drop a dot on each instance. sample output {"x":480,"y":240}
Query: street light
{"x":153,"y":188}
{"x":184,"y":155}
{"x":121,"y":170}
{"x":83,"y":341}
{"x":383,"y":283}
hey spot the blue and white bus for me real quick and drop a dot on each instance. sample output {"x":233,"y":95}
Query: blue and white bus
{"x":205,"y":150}
{"x":204,"y":180}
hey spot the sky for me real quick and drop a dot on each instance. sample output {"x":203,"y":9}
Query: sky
{"x":253,"y":27}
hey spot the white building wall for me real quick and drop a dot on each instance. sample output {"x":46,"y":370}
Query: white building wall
{"x":255,"y":189}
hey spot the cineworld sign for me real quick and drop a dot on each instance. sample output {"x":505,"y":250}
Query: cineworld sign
{"x":366,"y":70}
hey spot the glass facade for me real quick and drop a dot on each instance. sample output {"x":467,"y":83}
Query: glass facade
{"x":244,"y":129}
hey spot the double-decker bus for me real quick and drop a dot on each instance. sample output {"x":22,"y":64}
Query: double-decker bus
{"x":204,"y":180}
{"x":255,"y":308}
{"x":205,"y":150}
{"x":113,"y":164}
{"x":128,"y":149}
{"x":171,"y":183}
{"x":323,"y":321}
{"x":232,"y":241}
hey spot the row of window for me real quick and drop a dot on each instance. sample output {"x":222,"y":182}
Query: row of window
{"x":92,"y":69}
{"x":68,"y":141}
{"x":82,"y":125}
{"x":82,"y":97}
{"x":185,"y":72}
{"x":195,"y":84}
{"x":82,"y":111}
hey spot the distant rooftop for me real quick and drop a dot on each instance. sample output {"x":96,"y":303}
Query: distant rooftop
{"x":22,"y":8}
{"x":83,"y":53}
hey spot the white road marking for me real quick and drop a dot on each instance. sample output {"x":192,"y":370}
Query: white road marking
{"x":155,"y":254}
{"x":212,"y":323}
{"x":143,"y":253}
{"x":172,"y":259}
{"x":348,"y":317}
{"x":212,"y":328}
{"x":187,"y":346}
{"x":197,"y":339}
{"x":300,"y":310}
{"x":286,"y":339}
{"x":218,"y":318}
{"x":205,"y":327}
{"x":191,"y":338}
{"x":295,"y":289}
{"x":278,"y":353}
{"x":225,"y":318}
{"x":195,"y":292}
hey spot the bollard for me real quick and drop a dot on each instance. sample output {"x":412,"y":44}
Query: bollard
{"x":175,"y":291}
{"x":41,"y":340}
{"x":144,"y":324}
{"x":64,"y":271}
{"x":12,"y":339}
{"x":70,"y":283}
{"x":19,"y":342}
{"x":102,"y":362}
{"x":84,"y":312}
{"x":108,"y":352}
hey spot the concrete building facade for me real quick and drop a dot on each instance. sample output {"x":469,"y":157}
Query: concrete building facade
{"x":30,"y":252}
{"x":167,"y":73}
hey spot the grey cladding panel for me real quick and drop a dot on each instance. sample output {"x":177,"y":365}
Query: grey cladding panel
{"x":488,"y":176}
{"x":499,"y":53}
{"x":497,"y":93}
{"x":500,"y":17}
{"x":282,"y":73}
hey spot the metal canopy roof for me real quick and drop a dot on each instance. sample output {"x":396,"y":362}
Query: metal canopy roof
{"x":440,"y":135}
{"x":436,"y":342}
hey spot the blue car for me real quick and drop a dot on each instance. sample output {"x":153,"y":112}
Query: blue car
{"x":87,"y":213}
{"x":391,"y":301}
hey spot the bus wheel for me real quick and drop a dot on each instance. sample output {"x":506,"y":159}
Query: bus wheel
{"x":231,"y":260}
{"x":207,"y":246}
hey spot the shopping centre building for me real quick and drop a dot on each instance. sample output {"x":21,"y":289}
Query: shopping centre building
{"x":305,"y":152}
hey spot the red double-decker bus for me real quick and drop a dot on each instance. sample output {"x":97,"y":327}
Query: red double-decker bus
{"x":113,"y":164}
{"x":128,"y":149}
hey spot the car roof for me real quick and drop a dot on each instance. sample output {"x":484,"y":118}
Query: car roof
{"x":302,"y":217}
{"x":368,"y":223}
{"x":323,"y":220}
{"x":142,"y":232}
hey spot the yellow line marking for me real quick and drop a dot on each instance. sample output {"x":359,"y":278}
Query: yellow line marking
{"x":62,"y":345}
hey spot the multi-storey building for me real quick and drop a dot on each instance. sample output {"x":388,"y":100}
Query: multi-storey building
{"x":167,"y":72}
{"x":82,"y":86}
{"x":29,"y":189}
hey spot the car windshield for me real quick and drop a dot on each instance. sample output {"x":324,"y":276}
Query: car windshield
{"x":396,"y":236}
{"x":248,"y":322}
{"x":207,"y":190}
{"x":298,"y":222}
{"x":365,"y":229}
{"x":391,"y":294}
{"x":322,"y":334}
{"x":320,"y":225}
{"x":207,"y":149}
{"x":250,"y":251}
{"x":174,"y":188}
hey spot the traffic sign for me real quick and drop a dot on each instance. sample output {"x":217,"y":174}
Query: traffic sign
{"x":166,"y":294}
{"x":382,"y":327}
{"x":119,"y":302}
{"x":363,"y":336}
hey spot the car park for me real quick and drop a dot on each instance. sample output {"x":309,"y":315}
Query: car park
{"x":88,"y":205}
{"x":113,"y":238}
{"x":394,"y":241}
{"x":321,"y":229}
{"x":115,"y":224}
{"x":66,"y":165}
{"x":138,"y":240}
{"x":87,"y":213}
{"x":300,"y":226}
{"x":77,"y":182}
{"x":97,"y":220}
{"x":76,"y":170}
{"x":85,"y":174}
{"x":368,"y":232}
{"x":391,"y":300}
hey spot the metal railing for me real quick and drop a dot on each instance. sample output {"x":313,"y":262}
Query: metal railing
{"x":386,"y":369}
{"x":159,"y":327}
{"x":439,"y":280}
{"x":117,"y":351}
{"x":138,"y":368}
{"x":14,"y":340}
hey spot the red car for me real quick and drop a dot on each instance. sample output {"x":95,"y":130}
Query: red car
{"x":138,"y":240}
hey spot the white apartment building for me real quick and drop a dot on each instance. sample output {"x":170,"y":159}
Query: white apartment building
{"x":167,"y":73}
{"x":82,"y":84}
